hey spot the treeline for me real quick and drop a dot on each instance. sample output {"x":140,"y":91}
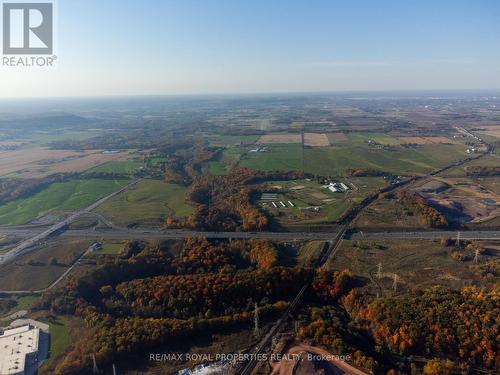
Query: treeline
{"x":185,"y":165}
{"x":12,"y":189}
{"x":481,"y":171}
{"x":365,"y":172}
{"x":429,"y":215}
{"x":224,"y":203}
{"x":461,"y":326}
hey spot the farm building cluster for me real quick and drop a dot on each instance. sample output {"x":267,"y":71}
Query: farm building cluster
{"x":275,"y":202}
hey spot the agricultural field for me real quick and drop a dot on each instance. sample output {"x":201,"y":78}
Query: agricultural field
{"x":39,"y":162}
{"x":119,"y":167}
{"x":316,"y":140}
{"x":461,"y":171}
{"x":336,"y":160}
{"x":58,"y":198}
{"x":280,"y":138}
{"x":231,"y":140}
{"x":18,"y":160}
{"x":336,"y":138}
{"x":490,"y":131}
{"x":428,"y":140}
{"x":277,"y":157}
{"x":417,"y":264}
{"x":148,"y":202}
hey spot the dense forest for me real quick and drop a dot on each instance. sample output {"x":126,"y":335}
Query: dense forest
{"x":149,"y":297}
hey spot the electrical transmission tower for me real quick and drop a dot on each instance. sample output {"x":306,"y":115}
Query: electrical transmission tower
{"x":395,"y":283}
{"x":256,"y":319}
{"x":95,"y":370}
{"x":458,"y":240}
{"x":476,"y":254}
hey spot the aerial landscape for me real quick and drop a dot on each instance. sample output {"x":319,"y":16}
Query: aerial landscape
{"x":270,"y":232}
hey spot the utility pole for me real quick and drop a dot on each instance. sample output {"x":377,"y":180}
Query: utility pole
{"x":379,"y":270}
{"x":458,"y":240}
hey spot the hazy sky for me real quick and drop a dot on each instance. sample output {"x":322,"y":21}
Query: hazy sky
{"x":124,"y":47}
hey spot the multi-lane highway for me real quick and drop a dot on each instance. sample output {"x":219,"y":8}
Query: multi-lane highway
{"x":34,"y":236}
{"x":117,"y":233}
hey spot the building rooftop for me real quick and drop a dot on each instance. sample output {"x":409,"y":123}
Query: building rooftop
{"x":16,"y":346}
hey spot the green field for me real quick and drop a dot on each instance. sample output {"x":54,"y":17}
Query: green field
{"x":226,"y":140}
{"x":334,"y":161}
{"x":119,"y":167}
{"x":217,"y":168}
{"x":283,"y":156}
{"x":486,"y":161}
{"x":45,"y":138}
{"x":111,"y":248}
{"x":148,"y":201}
{"x":21,"y":303}
{"x":60,"y":339}
{"x":61,"y":196}
{"x":381,"y":138}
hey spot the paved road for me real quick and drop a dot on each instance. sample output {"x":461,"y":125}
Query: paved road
{"x":416,"y":235}
{"x":29,"y":244}
{"x":130,"y":234}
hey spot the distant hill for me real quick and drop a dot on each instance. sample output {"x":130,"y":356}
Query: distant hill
{"x":44,"y":121}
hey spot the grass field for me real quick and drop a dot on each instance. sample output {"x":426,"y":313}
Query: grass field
{"x":217,"y":168}
{"x":381,"y":138}
{"x":21,"y":303}
{"x":418,"y":264}
{"x":328,"y":161}
{"x":119,"y":167}
{"x":486,"y":161}
{"x":110,"y":248}
{"x":150,"y":201}
{"x":335,"y":160}
{"x":309,"y":253}
{"x":385,"y":214}
{"x":279,"y":156}
{"x":44,"y":139}
{"x":60,"y":339}
{"x":226,"y":140}
{"x":62,"y":196}
{"x":34,"y":271}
